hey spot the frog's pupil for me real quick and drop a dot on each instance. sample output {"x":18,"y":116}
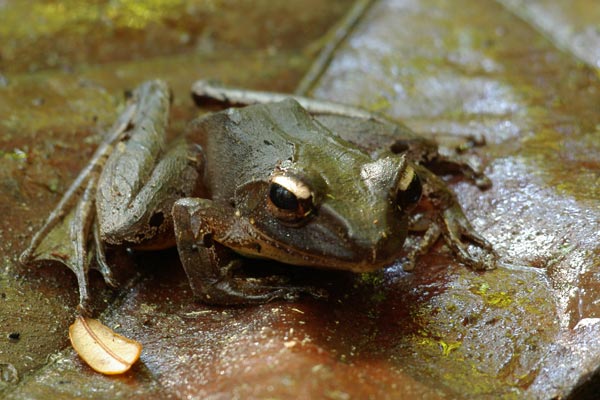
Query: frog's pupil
{"x":283,"y":198}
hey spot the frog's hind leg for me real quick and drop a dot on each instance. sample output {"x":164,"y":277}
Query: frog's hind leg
{"x":144,"y":176}
{"x":65,"y":235}
{"x":445,"y":163}
{"x":207,"y":92}
{"x":139,"y":214}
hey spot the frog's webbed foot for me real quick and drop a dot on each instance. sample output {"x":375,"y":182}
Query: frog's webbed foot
{"x":462,"y":239}
{"x":67,"y":235}
{"x":448,"y":163}
{"x":70,"y":241}
{"x":448,"y":220}
{"x":211,"y":267}
{"x":231,"y":290}
{"x":469,"y":246}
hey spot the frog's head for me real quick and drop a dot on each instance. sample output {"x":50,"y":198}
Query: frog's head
{"x":332,"y":209}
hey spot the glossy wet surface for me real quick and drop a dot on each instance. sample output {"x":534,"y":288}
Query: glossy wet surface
{"x":511,"y":71}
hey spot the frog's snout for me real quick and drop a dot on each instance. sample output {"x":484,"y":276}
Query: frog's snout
{"x":376,"y":252}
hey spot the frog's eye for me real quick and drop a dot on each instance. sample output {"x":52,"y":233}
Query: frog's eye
{"x":409,"y":190}
{"x":290,"y":199}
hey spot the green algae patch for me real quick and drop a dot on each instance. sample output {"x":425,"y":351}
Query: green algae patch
{"x":445,"y":347}
{"x":491,"y":298}
{"x":467,"y":338}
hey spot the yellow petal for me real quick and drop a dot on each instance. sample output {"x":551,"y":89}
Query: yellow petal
{"x":101,"y":348}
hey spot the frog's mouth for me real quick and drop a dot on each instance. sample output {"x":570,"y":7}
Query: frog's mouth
{"x":354,"y":257}
{"x":329,"y":240}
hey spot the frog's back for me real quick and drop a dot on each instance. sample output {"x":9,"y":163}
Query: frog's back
{"x":246,"y":144}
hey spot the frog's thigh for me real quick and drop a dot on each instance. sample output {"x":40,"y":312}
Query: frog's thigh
{"x":145,"y":218}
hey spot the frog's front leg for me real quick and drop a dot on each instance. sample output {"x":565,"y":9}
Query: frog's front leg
{"x":451,"y":222}
{"x":201,"y":228}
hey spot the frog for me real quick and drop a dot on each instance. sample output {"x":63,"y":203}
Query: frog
{"x":299,"y":181}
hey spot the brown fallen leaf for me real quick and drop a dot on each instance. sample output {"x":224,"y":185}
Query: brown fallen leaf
{"x":101,"y":348}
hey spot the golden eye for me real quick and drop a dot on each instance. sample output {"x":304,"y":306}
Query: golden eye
{"x":409,"y":190}
{"x":290,"y":199}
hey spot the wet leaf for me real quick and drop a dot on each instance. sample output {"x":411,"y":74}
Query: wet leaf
{"x":101,"y":348}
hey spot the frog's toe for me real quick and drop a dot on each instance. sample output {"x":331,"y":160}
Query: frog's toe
{"x":84,"y":309}
{"x":477,"y":257}
{"x":476,"y":176}
{"x":475,"y":238}
{"x":482,"y":181}
{"x":102,"y":263}
{"x":470,"y":247}
{"x":315,"y":292}
{"x":293,"y":293}
{"x":408,"y":264}
{"x":489,"y":258}
{"x":84,"y":298}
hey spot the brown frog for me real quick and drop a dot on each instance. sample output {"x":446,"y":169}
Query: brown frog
{"x":286,"y":178}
